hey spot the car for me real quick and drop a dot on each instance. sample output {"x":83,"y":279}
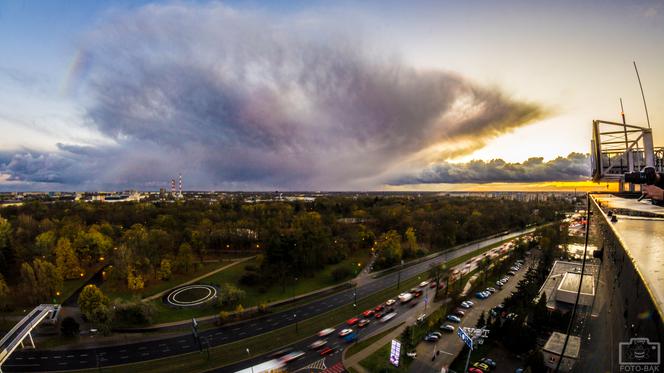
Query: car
{"x":432,"y":285}
{"x":481,"y":295}
{"x":487,"y":293}
{"x":421,"y":317}
{"x":388,"y":317}
{"x":352,"y":321}
{"x":325,"y":332}
{"x":470,"y":302}
{"x":368,"y":313}
{"x":414,"y":304}
{"x":378,"y":315}
{"x":326,"y":351}
{"x":447,"y":328}
{"x":453,"y":318}
{"x":437,"y":334}
{"x":512,"y":316}
{"x":282,"y":352}
{"x":483,"y":367}
{"x":465,"y":305}
{"x":424,"y":284}
{"x":378,"y":308}
{"x":412,"y":354}
{"x":493,"y":290}
{"x":363,"y":323}
{"x":474,"y":370}
{"x":515,"y":269}
{"x":505,"y":279}
{"x":318,"y":344}
{"x":345,"y":332}
{"x":499,"y":283}
{"x":490,"y":362}
{"x":458,"y":312}
{"x":390,"y":302}
{"x":388,"y":310}
{"x":291,"y":356}
{"x":431,"y":338}
{"x":511,"y":273}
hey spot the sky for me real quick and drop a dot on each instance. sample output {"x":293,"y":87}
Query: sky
{"x":318,"y":95}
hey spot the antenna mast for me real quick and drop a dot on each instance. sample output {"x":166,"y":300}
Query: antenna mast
{"x":642,"y":95}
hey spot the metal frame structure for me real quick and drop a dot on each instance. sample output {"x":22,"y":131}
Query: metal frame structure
{"x":618,"y":148}
{"x":23,"y":329}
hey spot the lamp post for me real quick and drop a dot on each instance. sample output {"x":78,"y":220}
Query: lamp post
{"x":399,"y":275}
{"x":295,"y":318}
{"x":355,"y":298}
{"x":249,"y":354}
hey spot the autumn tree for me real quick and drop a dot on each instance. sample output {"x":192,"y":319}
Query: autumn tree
{"x":4,"y":293}
{"x":91,"y":299}
{"x":185,"y":258}
{"x":66,"y":260}
{"x":410,"y":250}
{"x":389,"y":249}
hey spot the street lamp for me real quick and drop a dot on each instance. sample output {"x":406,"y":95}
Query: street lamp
{"x":249,"y":354}
{"x":295,"y":318}
{"x":354,"y":298}
{"x":399,"y":275}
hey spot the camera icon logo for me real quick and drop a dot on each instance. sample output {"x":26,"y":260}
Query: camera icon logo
{"x":639,"y":351}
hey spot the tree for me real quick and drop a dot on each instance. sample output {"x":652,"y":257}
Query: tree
{"x":184,"y":258}
{"x":45,"y":242}
{"x":5,"y":236}
{"x":481,"y":322}
{"x":90,"y":300}
{"x":135,"y":280}
{"x":223,"y":317}
{"x":540,"y":313}
{"x":389,"y":249}
{"x":66,"y":260}
{"x":69,"y":327}
{"x":230,"y":295}
{"x":41,"y":281}
{"x":4,"y":293}
{"x":411,"y":247}
{"x":164,"y":272}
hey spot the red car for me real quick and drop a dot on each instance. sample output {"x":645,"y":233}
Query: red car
{"x":475,"y":370}
{"x":378,"y":315}
{"x":326,"y":351}
{"x":378,"y":308}
{"x":433,"y":285}
{"x":368,"y":313}
{"x":352,"y":321}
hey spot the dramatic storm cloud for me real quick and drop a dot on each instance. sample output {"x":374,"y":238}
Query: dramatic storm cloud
{"x":574,"y":167}
{"x":248,"y":100}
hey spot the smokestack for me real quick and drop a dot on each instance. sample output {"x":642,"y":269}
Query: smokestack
{"x":180,"y":176}
{"x":173,"y":187}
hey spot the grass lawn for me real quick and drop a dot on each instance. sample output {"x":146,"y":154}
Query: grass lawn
{"x":361,"y":345}
{"x":379,"y":361}
{"x":253,"y":296}
{"x":155,"y":286}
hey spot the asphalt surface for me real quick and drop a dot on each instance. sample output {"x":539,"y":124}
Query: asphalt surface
{"x":48,"y":360}
{"x":450,"y":345}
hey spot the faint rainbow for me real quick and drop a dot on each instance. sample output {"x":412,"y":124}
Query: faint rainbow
{"x":78,"y":69}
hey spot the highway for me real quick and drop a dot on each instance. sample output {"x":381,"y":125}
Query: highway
{"x":49,"y":360}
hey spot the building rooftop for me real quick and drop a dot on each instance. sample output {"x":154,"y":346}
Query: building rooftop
{"x":556,"y":341}
{"x":640,"y":229}
{"x":563,"y":282}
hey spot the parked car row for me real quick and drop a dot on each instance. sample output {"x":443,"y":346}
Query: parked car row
{"x":484,"y":365}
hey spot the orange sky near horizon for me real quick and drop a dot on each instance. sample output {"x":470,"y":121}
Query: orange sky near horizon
{"x":550,"y":186}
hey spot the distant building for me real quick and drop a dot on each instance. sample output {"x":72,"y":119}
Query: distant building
{"x":117,"y":197}
{"x":553,"y":348}
{"x":562,"y":284}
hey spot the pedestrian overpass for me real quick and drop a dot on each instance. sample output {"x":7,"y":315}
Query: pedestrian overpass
{"x":23,"y":329}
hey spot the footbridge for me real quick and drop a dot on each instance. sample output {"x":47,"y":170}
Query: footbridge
{"x":23,"y":329}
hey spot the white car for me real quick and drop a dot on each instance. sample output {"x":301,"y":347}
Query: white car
{"x":421,"y":317}
{"x":390,"y":302}
{"x":413,"y":354}
{"x":345,"y":332}
{"x":424,"y":283}
{"x":325,"y":332}
{"x":388,"y":317}
{"x":292,"y":356}
{"x":317,"y":344}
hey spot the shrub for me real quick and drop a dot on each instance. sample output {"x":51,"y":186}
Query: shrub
{"x":250,"y":279}
{"x":69,"y":327}
{"x":341,"y":273}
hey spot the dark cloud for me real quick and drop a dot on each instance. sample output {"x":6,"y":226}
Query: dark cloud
{"x":237,"y":98}
{"x":575,"y":166}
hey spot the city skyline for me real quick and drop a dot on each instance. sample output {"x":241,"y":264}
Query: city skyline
{"x":317,"y":96}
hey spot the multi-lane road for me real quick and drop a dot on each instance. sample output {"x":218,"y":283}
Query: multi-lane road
{"x":49,"y":360}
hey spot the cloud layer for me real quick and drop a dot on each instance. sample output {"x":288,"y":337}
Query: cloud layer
{"x":244,"y":99}
{"x":575,"y":166}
